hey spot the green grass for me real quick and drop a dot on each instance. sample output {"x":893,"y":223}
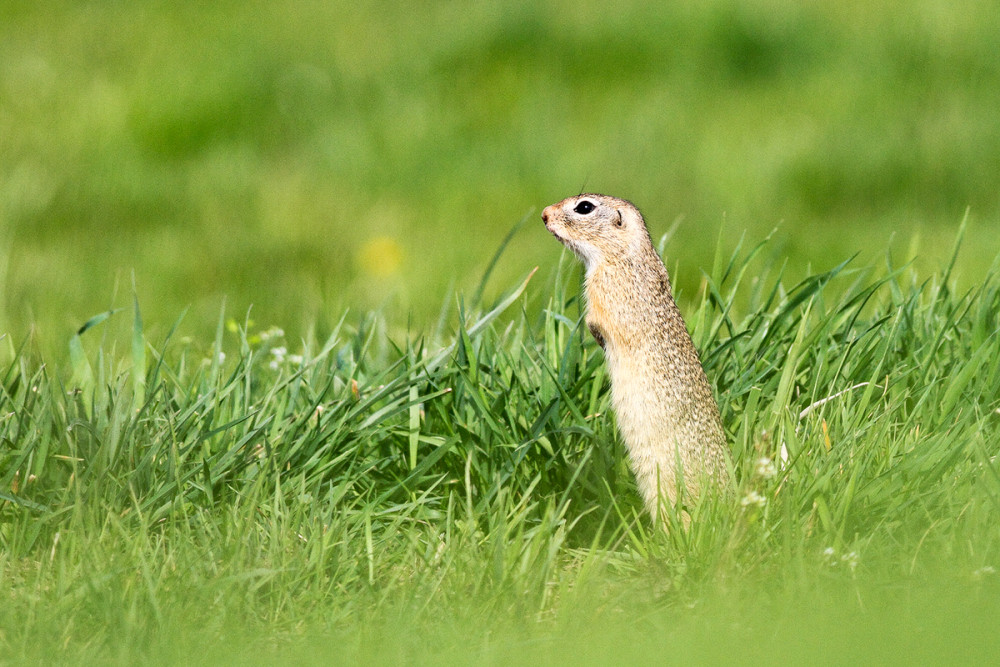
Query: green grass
{"x":465,"y":498}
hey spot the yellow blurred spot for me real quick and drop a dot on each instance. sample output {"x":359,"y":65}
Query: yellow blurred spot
{"x":380,"y":256}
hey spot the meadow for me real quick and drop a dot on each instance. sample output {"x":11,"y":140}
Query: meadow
{"x":280,"y":381}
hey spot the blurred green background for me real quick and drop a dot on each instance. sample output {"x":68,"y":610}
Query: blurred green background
{"x":302,"y":156}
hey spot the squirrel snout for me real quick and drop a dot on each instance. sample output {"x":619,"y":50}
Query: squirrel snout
{"x":546,"y":214}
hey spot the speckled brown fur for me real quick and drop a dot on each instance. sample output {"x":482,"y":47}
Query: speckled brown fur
{"x":663,"y":403}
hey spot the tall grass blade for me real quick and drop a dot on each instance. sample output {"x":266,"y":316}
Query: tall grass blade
{"x":478,"y":294}
{"x":138,"y":354}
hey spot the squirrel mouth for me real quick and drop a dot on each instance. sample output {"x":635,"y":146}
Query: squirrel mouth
{"x":568,"y":242}
{"x":583,"y":251}
{"x":562,"y":239}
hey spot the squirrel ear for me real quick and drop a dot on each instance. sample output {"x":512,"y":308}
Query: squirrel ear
{"x":620,"y":222}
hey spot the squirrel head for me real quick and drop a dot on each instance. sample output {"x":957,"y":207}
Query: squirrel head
{"x":598,"y":228}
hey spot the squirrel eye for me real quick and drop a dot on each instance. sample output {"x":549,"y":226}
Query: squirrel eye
{"x":584,"y":207}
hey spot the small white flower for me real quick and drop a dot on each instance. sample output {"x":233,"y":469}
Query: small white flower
{"x":984,"y":572}
{"x":753,"y":499}
{"x":295,"y":359}
{"x":279,"y":352}
{"x":274,"y":365}
{"x":273,"y":332}
{"x":765,"y":468}
{"x":851,"y":559}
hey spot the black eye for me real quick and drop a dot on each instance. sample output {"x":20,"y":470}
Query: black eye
{"x":584,"y":207}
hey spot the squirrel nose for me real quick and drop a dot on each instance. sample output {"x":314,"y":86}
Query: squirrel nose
{"x":545,"y":214}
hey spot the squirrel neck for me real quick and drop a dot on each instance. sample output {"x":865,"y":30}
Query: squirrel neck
{"x":630,"y":304}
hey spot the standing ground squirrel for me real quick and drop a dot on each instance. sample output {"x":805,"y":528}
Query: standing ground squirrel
{"x":664,"y":406}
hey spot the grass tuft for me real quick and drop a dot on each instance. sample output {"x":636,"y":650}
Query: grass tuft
{"x":474,"y":491}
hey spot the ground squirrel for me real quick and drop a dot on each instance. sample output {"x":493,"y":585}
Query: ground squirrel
{"x":662,"y":400}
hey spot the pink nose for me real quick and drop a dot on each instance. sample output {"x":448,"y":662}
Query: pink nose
{"x":546,"y":213}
